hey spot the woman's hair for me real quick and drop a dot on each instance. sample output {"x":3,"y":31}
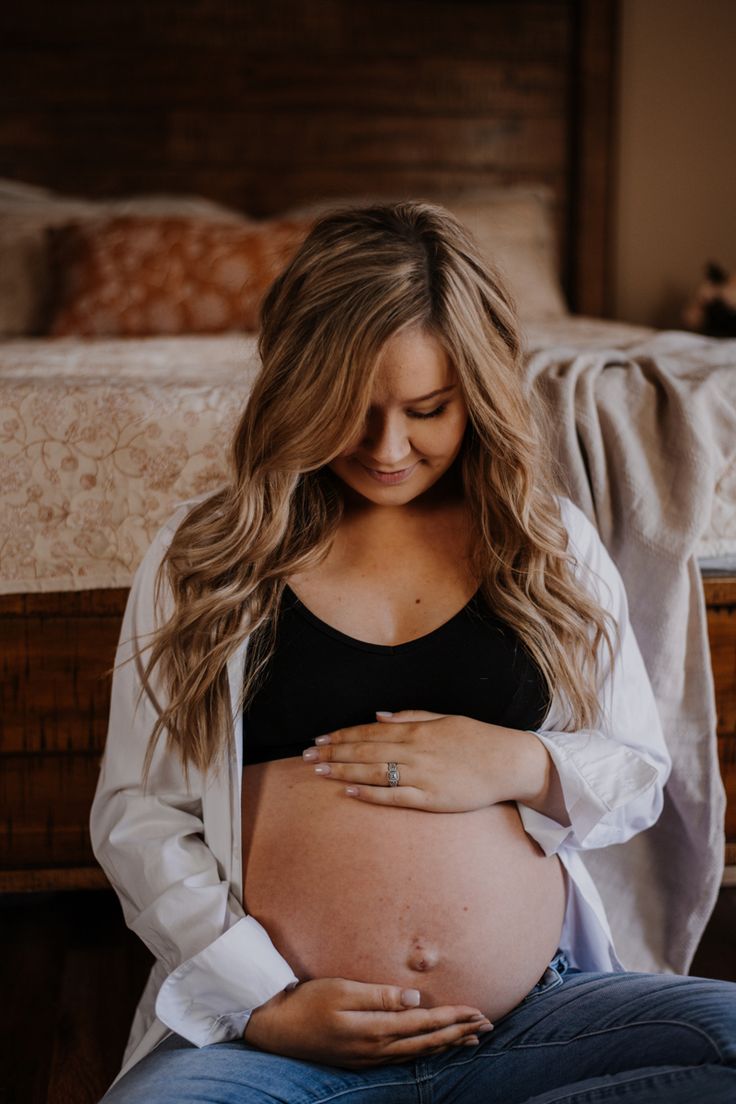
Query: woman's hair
{"x":361,"y":275}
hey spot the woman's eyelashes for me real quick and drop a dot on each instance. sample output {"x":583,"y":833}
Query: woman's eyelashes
{"x":432,"y":413}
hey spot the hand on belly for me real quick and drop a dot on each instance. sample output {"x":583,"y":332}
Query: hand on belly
{"x":463,"y":906}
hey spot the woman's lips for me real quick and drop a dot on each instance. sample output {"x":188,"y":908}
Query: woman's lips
{"x":390,"y":477}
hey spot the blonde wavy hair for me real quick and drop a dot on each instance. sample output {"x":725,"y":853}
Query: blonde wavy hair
{"x":361,"y":275}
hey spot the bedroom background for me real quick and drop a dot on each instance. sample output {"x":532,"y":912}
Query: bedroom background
{"x":584,"y":141}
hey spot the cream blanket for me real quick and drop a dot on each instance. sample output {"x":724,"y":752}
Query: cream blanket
{"x":643,"y":435}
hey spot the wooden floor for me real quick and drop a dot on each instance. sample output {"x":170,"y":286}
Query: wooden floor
{"x":71,"y":974}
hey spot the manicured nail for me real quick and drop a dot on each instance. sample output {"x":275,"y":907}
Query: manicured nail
{"x":323,"y":768}
{"x":322,"y":740}
{"x":485,"y":1027}
{"x":383,"y":713}
{"x":351,"y":791}
{"x":410,"y":997}
{"x":310,"y":755}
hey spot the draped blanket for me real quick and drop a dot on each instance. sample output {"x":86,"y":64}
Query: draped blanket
{"x":642,"y":436}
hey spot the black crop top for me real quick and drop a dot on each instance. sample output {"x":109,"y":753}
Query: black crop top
{"x":319,"y":679}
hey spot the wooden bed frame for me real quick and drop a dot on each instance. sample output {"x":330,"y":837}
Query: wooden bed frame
{"x":261,"y":107}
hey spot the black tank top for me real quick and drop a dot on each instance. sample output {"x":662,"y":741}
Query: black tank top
{"x":319,"y":679}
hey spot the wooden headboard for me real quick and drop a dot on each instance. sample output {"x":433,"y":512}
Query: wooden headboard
{"x":261,"y":105}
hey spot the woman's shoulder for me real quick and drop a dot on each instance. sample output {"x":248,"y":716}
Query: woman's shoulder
{"x":162,"y":538}
{"x":184,"y":506}
{"x":581,"y":530}
{"x":164,"y":534}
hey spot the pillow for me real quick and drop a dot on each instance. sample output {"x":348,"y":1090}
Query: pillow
{"x":514,"y":229}
{"x":136,"y":277}
{"x":27,"y":210}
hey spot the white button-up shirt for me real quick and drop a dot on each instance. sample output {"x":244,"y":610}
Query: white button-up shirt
{"x":173,"y":854}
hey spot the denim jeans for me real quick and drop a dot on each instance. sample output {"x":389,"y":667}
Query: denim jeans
{"x":576,"y":1037}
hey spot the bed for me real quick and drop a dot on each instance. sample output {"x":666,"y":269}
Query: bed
{"x":104,"y":425}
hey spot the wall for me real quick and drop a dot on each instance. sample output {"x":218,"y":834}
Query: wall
{"x":676,"y":162}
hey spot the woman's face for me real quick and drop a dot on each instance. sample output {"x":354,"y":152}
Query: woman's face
{"x":414,"y":428}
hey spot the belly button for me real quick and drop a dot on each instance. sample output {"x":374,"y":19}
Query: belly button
{"x":422,"y":957}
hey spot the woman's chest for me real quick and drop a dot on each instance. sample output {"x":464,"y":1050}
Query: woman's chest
{"x":390,"y":588}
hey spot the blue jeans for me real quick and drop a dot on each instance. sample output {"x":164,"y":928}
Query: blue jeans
{"x":576,"y":1037}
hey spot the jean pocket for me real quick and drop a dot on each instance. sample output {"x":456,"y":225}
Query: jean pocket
{"x":551,"y":978}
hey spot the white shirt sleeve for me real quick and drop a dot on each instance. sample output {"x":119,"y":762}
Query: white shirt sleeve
{"x":612,"y":777}
{"x":221,"y":963}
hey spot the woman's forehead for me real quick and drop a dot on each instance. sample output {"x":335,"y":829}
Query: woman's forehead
{"x":412,"y":366}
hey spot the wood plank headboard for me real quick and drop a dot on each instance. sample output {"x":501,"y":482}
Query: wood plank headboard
{"x":263,"y":105}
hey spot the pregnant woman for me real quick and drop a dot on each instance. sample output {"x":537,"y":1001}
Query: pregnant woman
{"x":372,"y":698}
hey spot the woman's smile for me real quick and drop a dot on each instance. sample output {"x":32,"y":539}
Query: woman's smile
{"x":389,"y":477}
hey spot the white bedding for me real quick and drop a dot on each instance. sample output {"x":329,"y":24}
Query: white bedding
{"x":100,"y":438}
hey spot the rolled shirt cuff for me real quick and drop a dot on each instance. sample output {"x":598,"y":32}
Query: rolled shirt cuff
{"x":597,"y":776}
{"x":210,"y":997}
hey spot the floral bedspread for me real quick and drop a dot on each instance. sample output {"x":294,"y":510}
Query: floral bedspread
{"x":99,"y":439}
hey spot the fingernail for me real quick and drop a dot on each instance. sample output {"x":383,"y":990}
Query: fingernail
{"x":322,"y":740}
{"x":323,"y":768}
{"x":383,"y":713}
{"x":410,"y":997}
{"x":471,"y":1041}
{"x":485,"y":1027}
{"x":310,"y":755}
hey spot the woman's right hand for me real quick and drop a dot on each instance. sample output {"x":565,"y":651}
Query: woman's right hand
{"x":355,"y":1024}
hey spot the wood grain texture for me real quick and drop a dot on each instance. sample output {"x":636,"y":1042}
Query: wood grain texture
{"x":73,"y":975}
{"x":49,"y":879}
{"x":590,"y":278}
{"x":263,"y":107}
{"x":721,"y":598}
{"x":55,"y":664}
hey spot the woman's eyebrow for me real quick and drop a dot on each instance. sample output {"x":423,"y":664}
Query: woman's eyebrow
{"x":431,"y":395}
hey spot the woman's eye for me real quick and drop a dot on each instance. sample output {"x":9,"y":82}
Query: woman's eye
{"x":432,"y":414}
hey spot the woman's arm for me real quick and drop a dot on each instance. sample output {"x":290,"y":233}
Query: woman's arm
{"x":221,"y":963}
{"x":611,"y":779}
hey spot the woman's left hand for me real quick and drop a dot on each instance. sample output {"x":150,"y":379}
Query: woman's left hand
{"x":447,"y":764}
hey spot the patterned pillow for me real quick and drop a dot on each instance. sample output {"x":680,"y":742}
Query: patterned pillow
{"x":26,"y":212}
{"x":140,"y":276}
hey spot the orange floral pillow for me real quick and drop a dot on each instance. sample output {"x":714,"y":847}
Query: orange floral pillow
{"x":134,"y":276}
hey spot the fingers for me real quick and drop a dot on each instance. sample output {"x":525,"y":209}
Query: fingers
{"x":416,"y":1032}
{"x":358,"y":753}
{"x":426,"y":1021}
{"x":368,"y":774}
{"x":361,"y":996}
{"x":391,"y":1030}
{"x":433,"y":1041}
{"x":384,"y":1001}
{"x":406,"y":797}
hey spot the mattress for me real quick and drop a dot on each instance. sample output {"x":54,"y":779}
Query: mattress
{"x":100,"y":438}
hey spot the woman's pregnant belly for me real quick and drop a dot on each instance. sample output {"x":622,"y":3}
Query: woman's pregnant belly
{"x":464,"y":907}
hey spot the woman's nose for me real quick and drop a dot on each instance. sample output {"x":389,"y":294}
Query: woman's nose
{"x":387,"y":439}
